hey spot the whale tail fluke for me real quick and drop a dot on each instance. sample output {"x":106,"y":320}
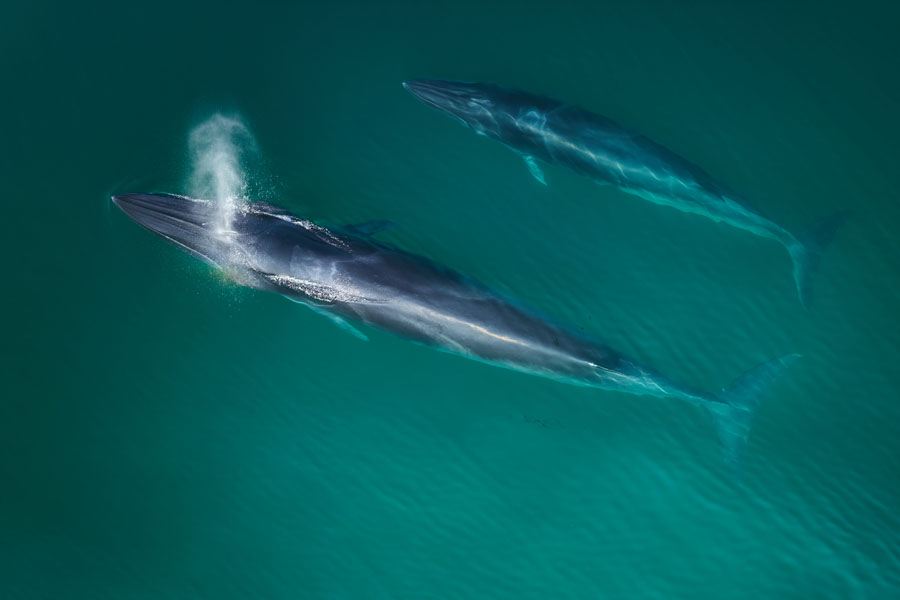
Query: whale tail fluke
{"x":739,"y":401}
{"x":806,"y":250}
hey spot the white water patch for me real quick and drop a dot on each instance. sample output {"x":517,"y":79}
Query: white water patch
{"x":219,"y":150}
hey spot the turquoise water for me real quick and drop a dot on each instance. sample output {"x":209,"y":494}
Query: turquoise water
{"x":166,"y":434}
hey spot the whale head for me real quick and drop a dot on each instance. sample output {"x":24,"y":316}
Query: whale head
{"x":254,"y":244}
{"x":476,"y":105}
{"x":188,"y":223}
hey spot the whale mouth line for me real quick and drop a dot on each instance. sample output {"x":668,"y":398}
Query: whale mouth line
{"x":189,"y":250}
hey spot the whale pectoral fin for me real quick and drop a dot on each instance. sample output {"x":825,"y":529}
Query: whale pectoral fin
{"x":533,"y":168}
{"x":341,"y":323}
{"x":370,"y":228}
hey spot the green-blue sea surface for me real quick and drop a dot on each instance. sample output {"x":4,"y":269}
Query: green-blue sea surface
{"x":166,"y":434}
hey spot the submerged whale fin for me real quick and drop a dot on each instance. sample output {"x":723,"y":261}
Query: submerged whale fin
{"x":533,"y":168}
{"x":739,"y":401}
{"x":806,"y":251}
{"x":369,"y":228}
{"x":340,"y":322}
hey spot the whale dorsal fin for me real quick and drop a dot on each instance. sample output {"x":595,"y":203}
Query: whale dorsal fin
{"x":370,"y":228}
{"x":533,"y":168}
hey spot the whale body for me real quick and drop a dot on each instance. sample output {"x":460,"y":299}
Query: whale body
{"x":544,"y":129}
{"x":353,"y":279}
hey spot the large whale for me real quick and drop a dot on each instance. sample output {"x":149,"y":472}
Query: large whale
{"x":348,"y":276}
{"x":540,"y":128}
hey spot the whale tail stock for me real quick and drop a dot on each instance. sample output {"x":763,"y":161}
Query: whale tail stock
{"x":806,"y":251}
{"x":734,"y":414}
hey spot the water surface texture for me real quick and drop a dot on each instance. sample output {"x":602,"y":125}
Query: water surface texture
{"x":167,"y":434}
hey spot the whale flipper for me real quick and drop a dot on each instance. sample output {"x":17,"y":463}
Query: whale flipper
{"x":369,"y":228}
{"x":533,"y":168}
{"x":341,"y":323}
{"x":739,"y":401}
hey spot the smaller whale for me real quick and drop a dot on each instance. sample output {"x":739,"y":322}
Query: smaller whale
{"x":348,"y":276}
{"x":540,"y":128}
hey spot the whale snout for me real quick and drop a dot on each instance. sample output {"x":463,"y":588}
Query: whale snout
{"x":186,"y":222}
{"x":435,"y":92}
{"x":149,"y":208}
{"x":453,"y":97}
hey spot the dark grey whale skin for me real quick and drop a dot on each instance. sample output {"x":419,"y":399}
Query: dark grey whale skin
{"x":348,"y":275}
